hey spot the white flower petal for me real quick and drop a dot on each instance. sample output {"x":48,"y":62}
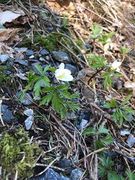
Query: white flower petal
{"x":61,"y":66}
{"x":63,"y":74}
{"x":116,"y":65}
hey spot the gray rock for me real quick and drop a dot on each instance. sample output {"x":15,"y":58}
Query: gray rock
{"x":44,"y":52}
{"x":21,"y":50}
{"x":27,"y":100}
{"x":29,"y":52}
{"x":124,"y":132}
{"x":21,"y":62}
{"x":83,"y":124}
{"x":50,"y":174}
{"x":61,"y":56}
{"x":6,"y":114}
{"x":66,"y":164}
{"x":72,"y":68}
{"x":131,"y":140}
{"x":28,"y":122}
{"x":28,"y":112}
{"x":76,"y":174}
{"x":4,"y":58}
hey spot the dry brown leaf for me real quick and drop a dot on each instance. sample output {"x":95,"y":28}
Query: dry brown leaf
{"x":130,"y":85}
{"x":4,"y":49}
{"x":8,"y":35}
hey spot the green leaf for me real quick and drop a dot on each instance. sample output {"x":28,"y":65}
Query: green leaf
{"x":47,"y":99}
{"x":130,"y":175}
{"x":104,"y":39}
{"x":113,"y":176}
{"x":124,"y":50}
{"x":103,"y":130}
{"x":96,"y":61}
{"x":96,"y":31}
{"x":39,"y":69}
{"x":89,"y":131}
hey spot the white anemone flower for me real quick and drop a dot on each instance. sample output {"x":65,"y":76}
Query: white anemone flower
{"x":63,"y":74}
{"x":116,"y":65}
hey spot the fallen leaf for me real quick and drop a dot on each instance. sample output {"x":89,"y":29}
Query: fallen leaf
{"x":9,"y":16}
{"x":130,"y":85}
{"x":4,"y":49}
{"x":8,"y":34}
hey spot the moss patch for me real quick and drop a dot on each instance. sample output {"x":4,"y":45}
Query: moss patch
{"x":17,"y":154}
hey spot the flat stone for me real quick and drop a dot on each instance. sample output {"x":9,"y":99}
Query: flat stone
{"x":7,"y":115}
{"x":131,"y":140}
{"x":44,"y":52}
{"x":27,"y":100}
{"x":4,"y":58}
{"x":50,"y":174}
{"x":76,"y":174}
{"x":72,"y":68}
{"x":29,"y":52}
{"x":21,"y":62}
{"x":61,"y":56}
{"x":66,"y":164}
{"x":28,"y":112}
{"x":28,"y":122}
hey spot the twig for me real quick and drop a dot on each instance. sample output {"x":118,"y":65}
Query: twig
{"x":2,"y":122}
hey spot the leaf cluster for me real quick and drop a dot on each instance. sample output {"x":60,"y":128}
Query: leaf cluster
{"x":102,"y":133}
{"x":58,"y":96}
{"x":121,"y":111}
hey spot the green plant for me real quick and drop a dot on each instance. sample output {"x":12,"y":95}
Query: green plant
{"x":106,"y":166}
{"x":121,"y":111}
{"x":96,"y":61}
{"x":106,"y":37}
{"x":108,"y":77}
{"x":3,"y":77}
{"x":58,"y":96}
{"x":17,"y":154}
{"x":50,"y":41}
{"x":124,"y":50}
{"x":130,"y":175}
{"x":96,"y":31}
{"x":39,"y":80}
{"x":104,"y":138}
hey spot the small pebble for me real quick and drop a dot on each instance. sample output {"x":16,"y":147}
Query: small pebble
{"x":61,"y":56}
{"x":124,"y":132}
{"x":76,"y":174}
{"x":72,"y":68}
{"x":4,"y":58}
{"x":27,"y":99}
{"x":28,"y":122}
{"x":21,"y":62}
{"x":29,"y":52}
{"x":28,"y":112}
{"x":7,"y":115}
{"x":44,"y":52}
{"x":131,"y":140}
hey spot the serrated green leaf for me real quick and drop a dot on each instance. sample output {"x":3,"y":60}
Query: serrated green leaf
{"x":96,"y":61}
{"x":96,"y":31}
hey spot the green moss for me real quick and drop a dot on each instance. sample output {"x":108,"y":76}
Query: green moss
{"x":17,"y":154}
{"x":50,"y":41}
{"x":3,"y":76}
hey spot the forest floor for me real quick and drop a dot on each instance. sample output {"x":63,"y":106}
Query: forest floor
{"x":67,"y":90}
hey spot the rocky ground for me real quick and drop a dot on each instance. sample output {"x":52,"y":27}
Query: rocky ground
{"x":55,"y":128}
